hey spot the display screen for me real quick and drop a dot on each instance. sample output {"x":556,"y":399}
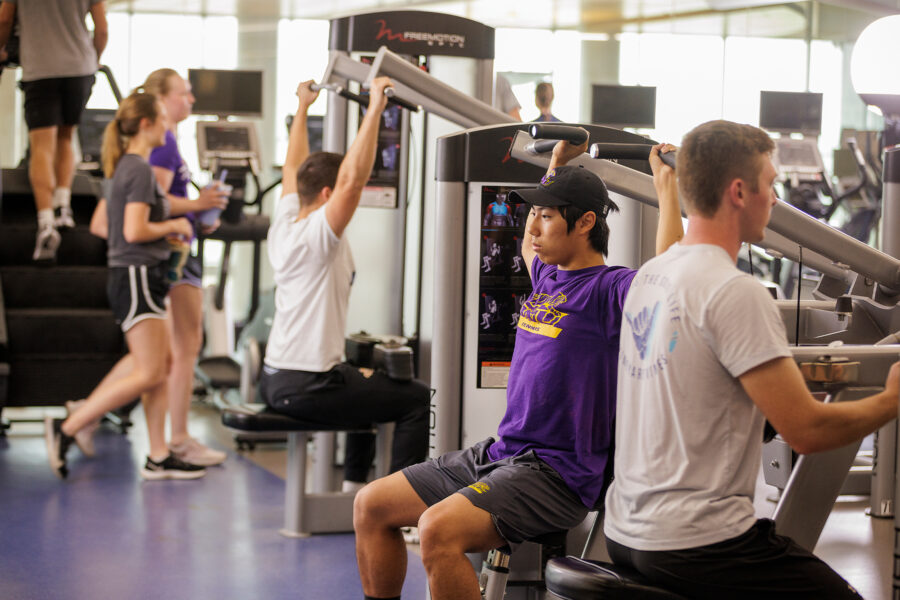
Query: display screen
{"x":221,"y":92}
{"x":624,"y":106}
{"x":504,"y":285}
{"x":227,"y":138}
{"x":791,"y":112}
{"x":90,"y":132}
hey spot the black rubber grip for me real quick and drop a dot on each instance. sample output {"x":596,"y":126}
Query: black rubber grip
{"x":541,"y":146}
{"x":389,"y":92}
{"x":629,"y":151}
{"x":543,"y":131}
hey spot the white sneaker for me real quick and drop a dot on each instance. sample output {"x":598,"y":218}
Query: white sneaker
{"x":193,"y":452}
{"x":46,"y":243}
{"x":66,"y":219}
{"x":84,"y":439}
{"x":410,"y":534}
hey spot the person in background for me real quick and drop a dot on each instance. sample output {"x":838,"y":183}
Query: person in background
{"x":59,"y":59}
{"x":543,"y":99}
{"x":185,"y":297}
{"x":504,"y":98}
{"x":138,"y":257}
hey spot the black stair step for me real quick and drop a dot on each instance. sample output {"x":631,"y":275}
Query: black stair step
{"x":77,"y":247}
{"x":17,"y":203}
{"x":50,"y":381}
{"x":54,"y":287}
{"x":36,"y":331}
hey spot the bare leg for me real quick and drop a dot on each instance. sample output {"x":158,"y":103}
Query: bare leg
{"x":41,"y":166}
{"x":148,"y":344}
{"x":447,"y":531}
{"x":64,"y":159}
{"x":379,"y":511}
{"x":186,"y":335}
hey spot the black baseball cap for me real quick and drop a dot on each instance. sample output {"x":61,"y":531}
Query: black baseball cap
{"x":568,"y":185}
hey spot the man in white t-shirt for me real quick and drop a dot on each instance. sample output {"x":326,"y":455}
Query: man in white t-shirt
{"x":703,"y":362}
{"x":304,"y":375}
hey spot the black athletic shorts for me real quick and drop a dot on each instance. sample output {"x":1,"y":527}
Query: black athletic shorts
{"x":524,"y":495}
{"x":56,"y":101}
{"x":759,"y":564}
{"x":137,"y":292}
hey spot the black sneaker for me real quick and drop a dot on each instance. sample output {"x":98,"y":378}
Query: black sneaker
{"x":171,"y":468}
{"x":57,"y":445}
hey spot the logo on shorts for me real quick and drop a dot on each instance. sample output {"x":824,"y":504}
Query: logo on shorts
{"x":480,"y":487}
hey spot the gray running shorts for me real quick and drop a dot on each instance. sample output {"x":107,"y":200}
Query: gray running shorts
{"x":524,"y":495}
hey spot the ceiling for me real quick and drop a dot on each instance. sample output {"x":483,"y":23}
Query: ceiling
{"x":838,"y":20}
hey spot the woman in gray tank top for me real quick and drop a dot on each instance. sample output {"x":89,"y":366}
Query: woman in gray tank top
{"x":138,"y":253}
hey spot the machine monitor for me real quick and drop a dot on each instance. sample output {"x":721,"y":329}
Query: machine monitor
{"x":624,"y":106}
{"x":791,"y":112}
{"x":90,"y":134}
{"x":798,"y":157}
{"x":226,"y":92}
{"x":226,"y":141}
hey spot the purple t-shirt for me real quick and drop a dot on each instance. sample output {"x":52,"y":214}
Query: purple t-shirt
{"x":168,"y":157}
{"x":561,"y":399}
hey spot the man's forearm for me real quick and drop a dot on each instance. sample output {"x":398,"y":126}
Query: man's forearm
{"x":100,"y":40}
{"x":298,"y":141}
{"x":357,"y":164}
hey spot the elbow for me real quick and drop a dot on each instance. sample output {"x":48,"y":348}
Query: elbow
{"x":804,"y":443}
{"x":131,"y":235}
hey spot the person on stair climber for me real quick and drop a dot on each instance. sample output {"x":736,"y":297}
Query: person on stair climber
{"x":303,"y":375}
{"x":185,"y":297}
{"x":59,"y":60}
{"x":138,"y":257}
{"x":547,"y":468}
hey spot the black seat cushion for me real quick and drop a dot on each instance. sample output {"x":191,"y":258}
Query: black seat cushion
{"x":574,"y":578}
{"x":268,"y":420}
{"x":221,"y":372}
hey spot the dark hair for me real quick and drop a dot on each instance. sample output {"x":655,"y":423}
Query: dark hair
{"x":599,"y":234}
{"x":319,"y":170}
{"x":714,"y":154}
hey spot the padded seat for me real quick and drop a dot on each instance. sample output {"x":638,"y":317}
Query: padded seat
{"x":269,"y":420}
{"x":574,"y":578}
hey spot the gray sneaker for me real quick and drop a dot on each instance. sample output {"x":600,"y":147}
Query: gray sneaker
{"x":84,"y":439}
{"x":65,"y":219}
{"x":45,"y":244}
{"x":192,"y":451}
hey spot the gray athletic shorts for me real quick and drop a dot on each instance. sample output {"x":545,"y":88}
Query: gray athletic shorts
{"x":524,"y":495}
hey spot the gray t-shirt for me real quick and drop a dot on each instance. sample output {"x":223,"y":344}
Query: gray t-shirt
{"x":688,"y":437}
{"x":54,"y":39}
{"x":133,"y":181}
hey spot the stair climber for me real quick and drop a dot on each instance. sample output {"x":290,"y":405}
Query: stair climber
{"x":58,"y":338}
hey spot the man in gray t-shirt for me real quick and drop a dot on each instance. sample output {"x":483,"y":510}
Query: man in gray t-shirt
{"x":703,"y":361}
{"x":59,"y":58}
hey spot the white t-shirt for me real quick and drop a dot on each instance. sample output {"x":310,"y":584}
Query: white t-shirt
{"x":688,"y":437}
{"x":313,"y":273}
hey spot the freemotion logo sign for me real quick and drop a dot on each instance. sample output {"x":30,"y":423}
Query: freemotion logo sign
{"x":386,"y":33}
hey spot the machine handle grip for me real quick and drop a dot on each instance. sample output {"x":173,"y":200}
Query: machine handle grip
{"x":540,"y":146}
{"x":628,"y":151}
{"x":392,"y":97}
{"x":543,"y":131}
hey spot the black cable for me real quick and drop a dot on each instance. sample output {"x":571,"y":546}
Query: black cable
{"x":799,"y":284}
{"x":750,"y":259}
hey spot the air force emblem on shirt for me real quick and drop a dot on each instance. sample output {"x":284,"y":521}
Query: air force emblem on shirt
{"x":539,"y":314}
{"x":660,"y":315}
{"x":642,"y":327}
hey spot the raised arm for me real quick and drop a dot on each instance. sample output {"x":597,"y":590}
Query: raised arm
{"x":807,"y":425}
{"x":101,"y":28}
{"x":670,"y":229}
{"x":357,"y":164}
{"x":563,"y":152}
{"x":298,"y":140}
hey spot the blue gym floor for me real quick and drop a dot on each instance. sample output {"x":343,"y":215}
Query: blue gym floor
{"x":106,"y":533}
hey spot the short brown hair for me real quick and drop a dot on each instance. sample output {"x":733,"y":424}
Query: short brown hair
{"x":714,"y":154}
{"x":543,"y":94}
{"x":319,"y":170}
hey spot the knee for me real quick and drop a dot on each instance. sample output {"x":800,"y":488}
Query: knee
{"x":370,"y":508}
{"x":438,"y":536}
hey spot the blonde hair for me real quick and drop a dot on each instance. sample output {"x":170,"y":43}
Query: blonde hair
{"x":158,"y":82}
{"x":125,"y":125}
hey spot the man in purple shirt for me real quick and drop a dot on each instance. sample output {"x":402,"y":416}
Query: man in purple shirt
{"x":547,"y":468}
